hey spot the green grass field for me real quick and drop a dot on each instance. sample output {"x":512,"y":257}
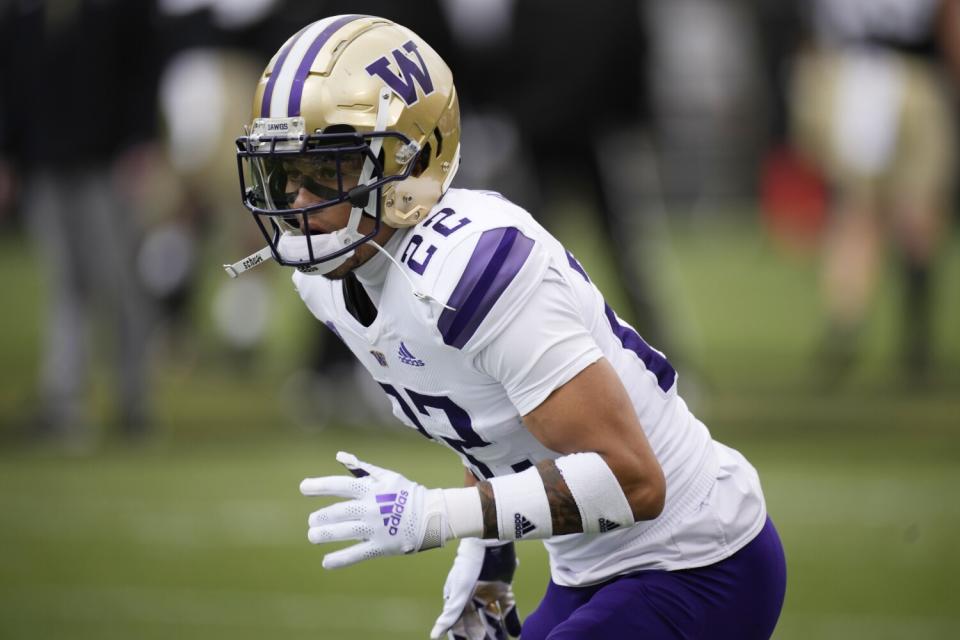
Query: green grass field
{"x":200,"y":532}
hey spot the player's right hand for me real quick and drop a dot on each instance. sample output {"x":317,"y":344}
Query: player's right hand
{"x":389,"y":514}
{"x":478,"y":597}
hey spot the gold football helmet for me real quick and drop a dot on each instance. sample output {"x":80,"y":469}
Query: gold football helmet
{"x":352,"y":108}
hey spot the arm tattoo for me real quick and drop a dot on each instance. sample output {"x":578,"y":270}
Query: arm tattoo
{"x":564,"y":512}
{"x":489,"y":507}
{"x":563,"y":508}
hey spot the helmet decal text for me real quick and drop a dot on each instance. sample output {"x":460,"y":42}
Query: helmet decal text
{"x":412,"y":73}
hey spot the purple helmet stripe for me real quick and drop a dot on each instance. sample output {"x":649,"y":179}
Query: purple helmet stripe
{"x":296,"y":91}
{"x":496,"y":260}
{"x":275,"y":73}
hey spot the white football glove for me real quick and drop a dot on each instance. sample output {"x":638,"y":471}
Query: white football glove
{"x":478,"y":597}
{"x":390,"y":514}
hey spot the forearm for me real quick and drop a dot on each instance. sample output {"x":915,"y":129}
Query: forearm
{"x":564,"y":512}
{"x":572,"y":494}
{"x":392,"y":515}
{"x":577,"y":493}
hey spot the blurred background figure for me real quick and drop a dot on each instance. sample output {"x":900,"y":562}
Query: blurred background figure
{"x":594,"y":148}
{"x":79,"y":105}
{"x":871,"y":107}
{"x":706,"y":102}
{"x":581,"y":117}
{"x":210,"y":49}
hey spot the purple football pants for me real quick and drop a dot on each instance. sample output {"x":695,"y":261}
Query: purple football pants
{"x":735,"y":599}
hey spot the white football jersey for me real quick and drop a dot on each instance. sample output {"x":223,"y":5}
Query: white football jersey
{"x":502,"y":316}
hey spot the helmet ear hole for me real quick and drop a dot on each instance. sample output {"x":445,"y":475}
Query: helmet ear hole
{"x":423,"y":161}
{"x":439,"y":138}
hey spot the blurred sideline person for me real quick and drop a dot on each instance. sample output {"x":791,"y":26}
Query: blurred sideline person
{"x":209,"y":57}
{"x":871,"y":106}
{"x":89,"y":64}
{"x":513,"y":142}
{"x":611,"y":54}
{"x":489,"y":338}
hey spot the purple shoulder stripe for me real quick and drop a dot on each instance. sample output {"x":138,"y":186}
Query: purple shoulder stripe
{"x":496,"y":260}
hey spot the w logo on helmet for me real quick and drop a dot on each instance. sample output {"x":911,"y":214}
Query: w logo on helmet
{"x":412,"y":73}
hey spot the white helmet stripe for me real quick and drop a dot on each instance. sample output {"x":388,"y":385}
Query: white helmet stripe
{"x":282,"y":96}
{"x":271,"y":83}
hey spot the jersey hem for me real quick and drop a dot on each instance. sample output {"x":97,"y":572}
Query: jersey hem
{"x":693,"y":493}
{"x":728,"y":552}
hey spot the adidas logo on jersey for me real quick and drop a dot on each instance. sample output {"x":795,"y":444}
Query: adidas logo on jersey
{"x":391,"y":508}
{"x":522,"y":526}
{"x":408,"y":358}
{"x":607,"y":525}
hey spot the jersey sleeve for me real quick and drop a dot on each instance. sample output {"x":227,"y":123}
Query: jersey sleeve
{"x":543,"y":348}
{"x":488,"y":279}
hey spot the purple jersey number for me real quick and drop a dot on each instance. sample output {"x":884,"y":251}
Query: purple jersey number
{"x":655,"y":361}
{"x":410,"y":252}
{"x":412,"y":255}
{"x":438,"y":219}
{"x":456,"y":416}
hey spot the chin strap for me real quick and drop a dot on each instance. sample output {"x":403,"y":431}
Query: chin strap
{"x":251,"y":261}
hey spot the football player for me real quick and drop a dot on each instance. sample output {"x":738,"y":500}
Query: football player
{"x":490,"y":339}
{"x":872,"y":107}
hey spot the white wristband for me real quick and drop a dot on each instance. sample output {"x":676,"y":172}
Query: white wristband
{"x":597,"y":492}
{"x":464,"y":512}
{"x":523,"y":510}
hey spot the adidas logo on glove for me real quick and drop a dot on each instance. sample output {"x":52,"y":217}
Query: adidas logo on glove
{"x":391,"y":507}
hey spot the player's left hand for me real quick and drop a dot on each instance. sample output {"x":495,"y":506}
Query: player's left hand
{"x":478,"y":601}
{"x":388,"y":513}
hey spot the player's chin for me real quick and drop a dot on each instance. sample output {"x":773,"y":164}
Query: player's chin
{"x":337,"y":274}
